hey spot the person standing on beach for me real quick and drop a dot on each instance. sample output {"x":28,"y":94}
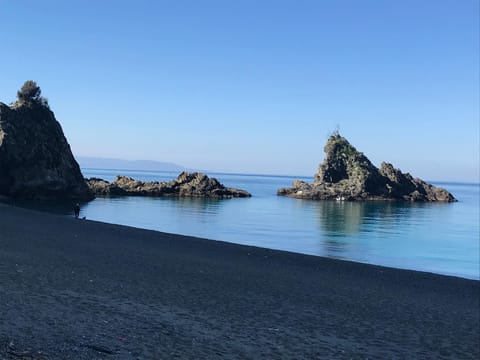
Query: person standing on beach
{"x":76,"y":210}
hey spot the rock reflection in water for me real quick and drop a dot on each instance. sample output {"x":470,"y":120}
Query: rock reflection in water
{"x":199,"y":208}
{"x":346,"y":225}
{"x":164,"y":214}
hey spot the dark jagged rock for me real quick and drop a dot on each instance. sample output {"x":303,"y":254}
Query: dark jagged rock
{"x":35,"y":158}
{"x":347,"y":174}
{"x":186,"y":185}
{"x":104,"y":188}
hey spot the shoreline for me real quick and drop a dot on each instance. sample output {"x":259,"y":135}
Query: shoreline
{"x":293,"y":253}
{"x":74,"y":289}
{"x":66,"y":210}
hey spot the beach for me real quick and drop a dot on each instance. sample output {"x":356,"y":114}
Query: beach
{"x":80,"y":289}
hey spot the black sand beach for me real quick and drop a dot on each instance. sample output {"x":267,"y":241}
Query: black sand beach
{"x":78,"y":289}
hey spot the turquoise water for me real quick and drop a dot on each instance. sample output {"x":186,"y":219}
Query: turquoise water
{"x":439,"y":238}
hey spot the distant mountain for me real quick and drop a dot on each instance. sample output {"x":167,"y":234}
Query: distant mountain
{"x":121,"y":164}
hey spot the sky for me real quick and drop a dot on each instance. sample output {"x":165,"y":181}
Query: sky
{"x":250,"y":86}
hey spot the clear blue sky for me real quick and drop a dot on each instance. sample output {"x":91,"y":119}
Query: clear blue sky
{"x":255,"y":86}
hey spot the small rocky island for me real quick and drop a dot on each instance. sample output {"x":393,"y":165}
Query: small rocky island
{"x":185,"y":185}
{"x":347,"y":174}
{"x":35,"y":158}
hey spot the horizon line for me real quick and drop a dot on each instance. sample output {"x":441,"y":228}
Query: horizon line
{"x":459,"y":182}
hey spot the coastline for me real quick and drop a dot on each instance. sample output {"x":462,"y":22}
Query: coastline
{"x":392,"y":234}
{"x":80,"y":289}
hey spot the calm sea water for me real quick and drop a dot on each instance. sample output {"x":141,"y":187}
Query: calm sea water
{"x":439,"y":238}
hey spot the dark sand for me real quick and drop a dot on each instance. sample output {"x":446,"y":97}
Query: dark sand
{"x":76,"y":289}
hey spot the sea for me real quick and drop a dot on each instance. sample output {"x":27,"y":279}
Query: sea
{"x":441,"y":238}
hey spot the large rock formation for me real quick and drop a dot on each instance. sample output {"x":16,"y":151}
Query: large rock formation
{"x":347,"y":174}
{"x":186,"y":185}
{"x":35,"y":158}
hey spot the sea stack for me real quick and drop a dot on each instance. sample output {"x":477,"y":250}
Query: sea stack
{"x":36,"y":161}
{"x":185,"y":185}
{"x":347,"y":174}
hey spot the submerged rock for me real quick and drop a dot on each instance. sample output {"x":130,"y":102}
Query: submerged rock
{"x":185,"y":185}
{"x":35,"y":158}
{"x":347,"y":174}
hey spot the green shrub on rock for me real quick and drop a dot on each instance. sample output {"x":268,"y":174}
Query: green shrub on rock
{"x":31,"y":92}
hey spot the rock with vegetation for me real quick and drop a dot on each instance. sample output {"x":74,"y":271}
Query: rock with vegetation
{"x":185,"y":185}
{"x":347,"y":174}
{"x":35,"y":158}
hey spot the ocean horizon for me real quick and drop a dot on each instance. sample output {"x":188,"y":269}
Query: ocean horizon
{"x":214,"y":173}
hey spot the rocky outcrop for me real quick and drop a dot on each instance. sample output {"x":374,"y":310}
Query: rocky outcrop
{"x":347,"y":174}
{"x":35,"y":158}
{"x":186,"y":185}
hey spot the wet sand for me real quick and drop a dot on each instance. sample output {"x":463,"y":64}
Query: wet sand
{"x":79,"y":289}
